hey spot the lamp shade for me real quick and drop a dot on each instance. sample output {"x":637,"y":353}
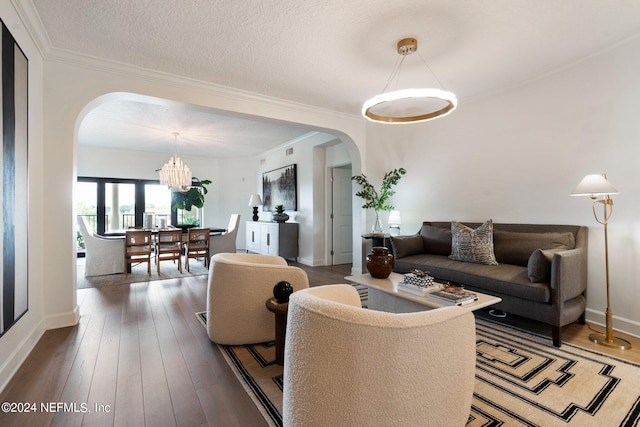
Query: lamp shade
{"x":594,"y":185}
{"x":255,"y":200}
{"x":394,"y":218}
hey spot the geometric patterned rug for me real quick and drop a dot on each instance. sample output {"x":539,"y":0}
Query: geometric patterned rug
{"x":521,"y":380}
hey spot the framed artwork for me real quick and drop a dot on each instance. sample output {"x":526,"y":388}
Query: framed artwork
{"x":14,"y":287}
{"x":279,"y":187}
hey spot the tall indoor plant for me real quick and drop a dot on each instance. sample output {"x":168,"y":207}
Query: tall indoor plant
{"x":193,"y":197}
{"x":377,"y":199}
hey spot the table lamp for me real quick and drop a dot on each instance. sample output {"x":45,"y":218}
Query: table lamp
{"x":598,"y":188}
{"x":394,"y":223}
{"x":255,"y":201}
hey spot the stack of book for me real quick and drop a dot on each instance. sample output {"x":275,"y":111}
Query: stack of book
{"x":453,"y":296}
{"x":420,"y":290}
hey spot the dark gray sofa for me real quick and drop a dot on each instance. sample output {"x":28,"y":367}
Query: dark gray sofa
{"x":541,"y":272}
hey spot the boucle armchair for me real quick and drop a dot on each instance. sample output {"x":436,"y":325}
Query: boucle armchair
{"x":104,"y":255}
{"x":345,"y":365}
{"x":239,"y":285}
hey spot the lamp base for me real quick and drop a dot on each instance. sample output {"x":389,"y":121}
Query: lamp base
{"x":601,"y":339}
{"x":255,"y":213}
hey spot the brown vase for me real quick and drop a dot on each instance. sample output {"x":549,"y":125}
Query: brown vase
{"x":379,"y":262}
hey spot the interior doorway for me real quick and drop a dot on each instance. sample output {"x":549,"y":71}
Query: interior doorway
{"x":341,"y":215}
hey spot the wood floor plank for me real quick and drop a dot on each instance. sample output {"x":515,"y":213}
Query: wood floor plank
{"x":158,"y":407}
{"x":129,"y":406}
{"x":186,"y":407}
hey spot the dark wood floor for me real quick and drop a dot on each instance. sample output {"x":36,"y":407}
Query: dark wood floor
{"x":140,"y":354}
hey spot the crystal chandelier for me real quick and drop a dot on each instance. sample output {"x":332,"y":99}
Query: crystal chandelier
{"x":409,"y":105}
{"x":175,"y":174}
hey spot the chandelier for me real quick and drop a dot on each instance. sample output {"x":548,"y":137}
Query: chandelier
{"x":175,"y":174}
{"x":409,"y":105}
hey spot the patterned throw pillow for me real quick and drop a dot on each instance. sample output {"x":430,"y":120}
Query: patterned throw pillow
{"x":469,"y":245}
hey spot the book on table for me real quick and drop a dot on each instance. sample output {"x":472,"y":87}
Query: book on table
{"x":418,"y":290}
{"x":453,"y":296}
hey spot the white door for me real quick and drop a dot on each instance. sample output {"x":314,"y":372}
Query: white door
{"x":341,"y":215}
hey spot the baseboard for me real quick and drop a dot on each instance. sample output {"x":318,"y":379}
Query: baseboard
{"x":63,"y":320}
{"x":17,"y":357}
{"x":627,"y":326}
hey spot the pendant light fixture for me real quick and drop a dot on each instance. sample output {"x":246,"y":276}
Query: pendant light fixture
{"x":175,"y":174}
{"x":409,"y":105}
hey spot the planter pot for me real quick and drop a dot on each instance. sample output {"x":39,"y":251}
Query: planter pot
{"x":379,"y":262}
{"x":280,"y":217}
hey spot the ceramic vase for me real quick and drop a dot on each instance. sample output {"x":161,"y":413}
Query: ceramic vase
{"x":379,"y":262}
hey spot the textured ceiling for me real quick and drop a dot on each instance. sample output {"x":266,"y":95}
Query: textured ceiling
{"x":334,"y":54}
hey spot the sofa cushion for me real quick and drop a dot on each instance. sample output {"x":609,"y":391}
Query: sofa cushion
{"x":436,"y":240}
{"x":504,"y":279}
{"x":472,"y":245}
{"x":403,"y":246}
{"x":516,"y":248}
{"x":539,"y":265}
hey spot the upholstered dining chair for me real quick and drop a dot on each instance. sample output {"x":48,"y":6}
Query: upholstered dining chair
{"x":225,"y":242}
{"x":138,"y":248}
{"x":197,"y":245}
{"x":103,"y":255}
{"x":168,"y":247}
{"x":345,"y":365}
{"x":239,"y":286}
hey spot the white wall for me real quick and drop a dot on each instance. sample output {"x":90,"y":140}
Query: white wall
{"x":516,"y":157}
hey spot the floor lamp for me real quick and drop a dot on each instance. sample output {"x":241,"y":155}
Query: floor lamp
{"x":598,"y":188}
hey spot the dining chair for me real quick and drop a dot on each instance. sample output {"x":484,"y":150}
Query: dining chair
{"x":138,"y":248}
{"x":225,"y":242}
{"x":104,"y":255}
{"x":197,"y":245}
{"x":168,"y":247}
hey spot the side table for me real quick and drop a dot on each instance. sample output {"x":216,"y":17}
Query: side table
{"x":280,"y":310}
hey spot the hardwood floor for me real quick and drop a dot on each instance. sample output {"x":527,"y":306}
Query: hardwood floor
{"x":140,"y":357}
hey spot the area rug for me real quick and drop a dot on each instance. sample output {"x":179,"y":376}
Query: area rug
{"x":168,"y":270}
{"x":521,"y":380}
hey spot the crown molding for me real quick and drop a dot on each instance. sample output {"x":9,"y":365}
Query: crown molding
{"x":35,"y":29}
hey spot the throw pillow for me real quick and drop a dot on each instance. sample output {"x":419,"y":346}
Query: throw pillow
{"x":516,"y":247}
{"x":406,"y":245}
{"x":436,"y":240}
{"x":539,"y":265}
{"x":469,"y":245}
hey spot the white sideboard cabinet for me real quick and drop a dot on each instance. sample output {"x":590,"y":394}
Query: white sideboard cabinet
{"x":272,"y":238}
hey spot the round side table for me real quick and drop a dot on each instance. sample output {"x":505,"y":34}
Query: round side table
{"x":280,"y":310}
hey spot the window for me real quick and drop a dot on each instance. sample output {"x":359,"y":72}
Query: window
{"x":112,"y":205}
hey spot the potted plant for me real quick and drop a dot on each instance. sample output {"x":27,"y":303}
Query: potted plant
{"x":280,"y":215}
{"x":193,"y":197}
{"x":377,"y":199}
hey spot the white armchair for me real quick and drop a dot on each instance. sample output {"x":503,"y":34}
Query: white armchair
{"x":348,"y":366}
{"x":104,"y":255}
{"x":239,"y":286}
{"x":225,"y":242}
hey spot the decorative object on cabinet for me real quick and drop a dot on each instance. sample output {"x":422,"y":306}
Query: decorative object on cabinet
{"x":279,"y":187}
{"x":280,"y":215}
{"x":255,"y":201}
{"x":595,"y":186}
{"x":377,"y":200}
